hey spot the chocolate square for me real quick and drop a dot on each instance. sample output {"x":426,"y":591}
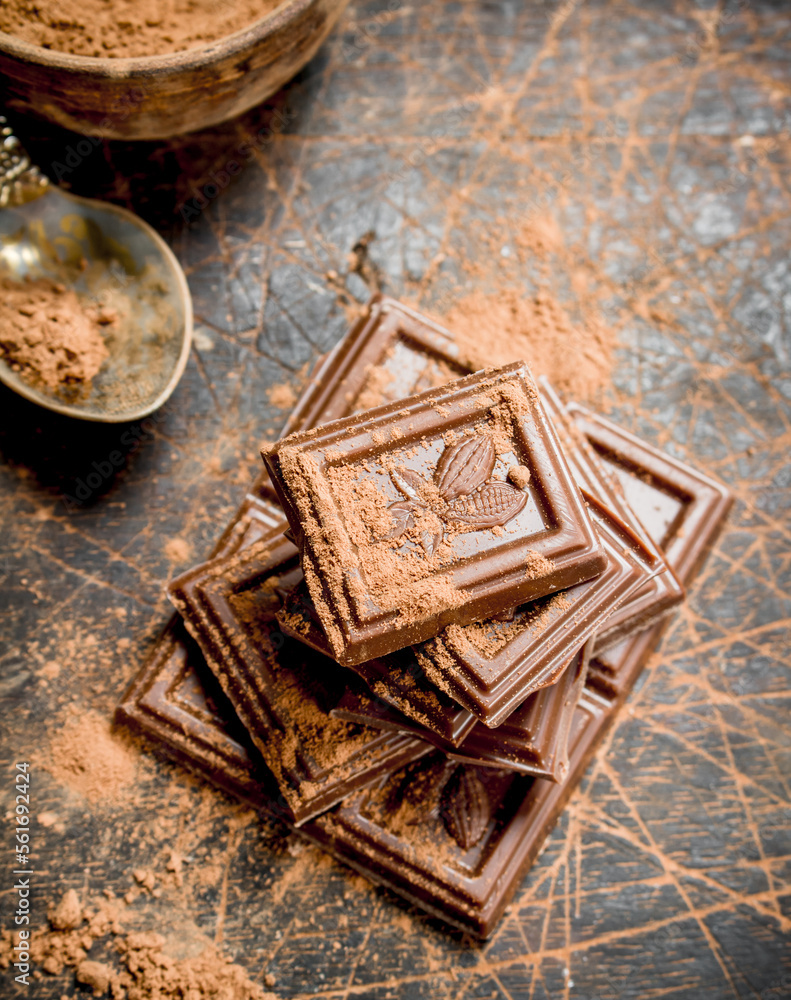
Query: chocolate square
{"x":282,"y":690}
{"x":532,"y":740}
{"x":680,"y":507}
{"x":408,"y":521}
{"x":661,"y":592}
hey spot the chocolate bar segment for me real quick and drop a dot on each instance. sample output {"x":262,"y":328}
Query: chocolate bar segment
{"x":681,"y":508}
{"x":282,"y":690}
{"x":661,"y":591}
{"x":176,"y":702}
{"x":392,"y":352}
{"x":443,"y":508}
{"x":532,"y":740}
{"x":398,"y":684}
{"x":491,"y":667}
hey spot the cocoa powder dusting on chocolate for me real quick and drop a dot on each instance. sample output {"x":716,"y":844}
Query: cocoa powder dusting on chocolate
{"x":519,"y":475}
{"x":127,"y":28}
{"x":48,"y":337}
{"x":399,"y":543}
{"x":373,"y":392}
{"x":374,"y":520}
{"x":305,"y":722}
{"x":537,"y":565}
{"x":490,"y":636}
{"x":383,"y":558}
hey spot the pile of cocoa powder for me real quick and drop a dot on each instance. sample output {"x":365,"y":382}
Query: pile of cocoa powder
{"x":508,"y":325}
{"x":48,"y":336}
{"x":143,"y":968}
{"x":128,"y":28}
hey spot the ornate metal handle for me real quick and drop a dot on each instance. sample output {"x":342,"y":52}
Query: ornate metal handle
{"x":20,"y":180}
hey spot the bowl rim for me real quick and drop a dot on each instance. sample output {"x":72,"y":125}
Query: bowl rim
{"x":123,"y":67}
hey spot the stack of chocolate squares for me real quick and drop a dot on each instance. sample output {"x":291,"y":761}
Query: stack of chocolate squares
{"x":409,"y":648}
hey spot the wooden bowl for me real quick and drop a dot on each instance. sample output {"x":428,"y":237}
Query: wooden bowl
{"x":154,"y":97}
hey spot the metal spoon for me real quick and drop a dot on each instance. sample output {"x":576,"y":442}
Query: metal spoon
{"x":114,"y":260}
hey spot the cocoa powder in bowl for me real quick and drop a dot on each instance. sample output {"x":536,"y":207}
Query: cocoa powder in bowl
{"x":128,"y":28}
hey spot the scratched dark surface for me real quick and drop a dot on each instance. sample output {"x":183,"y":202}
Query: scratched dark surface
{"x":655,"y":138}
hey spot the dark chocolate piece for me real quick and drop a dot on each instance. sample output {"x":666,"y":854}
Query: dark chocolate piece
{"x":661,"y":591}
{"x":681,"y":508}
{"x":491,"y":667}
{"x":392,"y":352}
{"x":177,"y":702}
{"x":397,"y":682}
{"x":533,"y":739}
{"x":283,"y":691}
{"x":407,"y":520}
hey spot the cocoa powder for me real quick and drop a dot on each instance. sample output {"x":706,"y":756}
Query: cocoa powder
{"x":48,"y":336}
{"x":89,"y":757}
{"x":282,"y":396}
{"x":128,"y":28}
{"x":143,"y":969}
{"x":508,"y":325}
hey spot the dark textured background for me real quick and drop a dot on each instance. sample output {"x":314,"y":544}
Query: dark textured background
{"x":653,"y":140}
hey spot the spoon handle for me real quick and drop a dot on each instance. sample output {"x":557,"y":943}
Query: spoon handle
{"x":20,"y":180}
